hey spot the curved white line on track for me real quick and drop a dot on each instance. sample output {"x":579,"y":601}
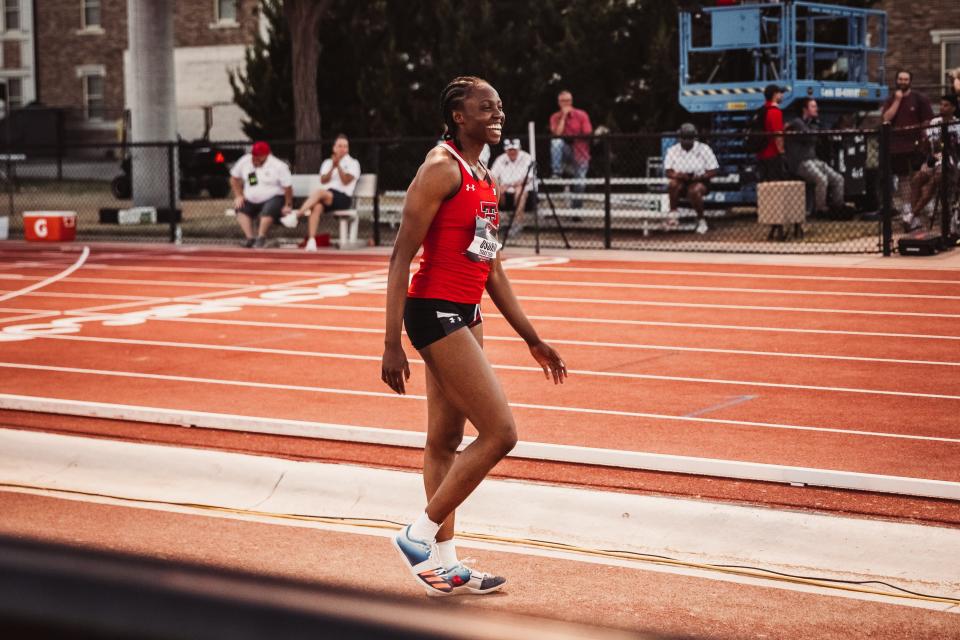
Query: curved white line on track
{"x":60,"y":276}
{"x":410,"y":396}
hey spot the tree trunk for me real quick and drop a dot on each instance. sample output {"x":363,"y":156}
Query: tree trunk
{"x":303,"y":20}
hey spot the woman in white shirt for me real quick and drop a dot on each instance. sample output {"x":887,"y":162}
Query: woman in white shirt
{"x":338,"y":174}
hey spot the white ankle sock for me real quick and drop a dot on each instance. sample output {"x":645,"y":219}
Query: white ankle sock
{"x":423,"y":528}
{"x":448,"y":554}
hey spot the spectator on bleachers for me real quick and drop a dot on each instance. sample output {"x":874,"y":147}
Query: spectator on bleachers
{"x":261,"y":188}
{"x":512,"y":172}
{"x":338,"y":175}
{"x":770,"y":160}
{"x":802,"y":160}
{"x":904,"y":108}
{"x":568,"y":155}
{"x":689,"y":165}
{"x":926,"y":181}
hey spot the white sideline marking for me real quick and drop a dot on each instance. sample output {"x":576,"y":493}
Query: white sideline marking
{"x":736,"y":274}
{"x":54,"y":278}
{"x":642,"y":323}
{"x":677,"y":287}
{"x":410,"y":396}
{"x":171,"y":269}
{"x":531,"y":450}
{"x":696,"y":305}
{"x":348,"y":356}
{"x":95,"y":296}
{"x":30,"y":316}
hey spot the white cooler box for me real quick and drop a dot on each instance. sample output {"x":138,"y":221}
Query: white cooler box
{"x":781,"y":203}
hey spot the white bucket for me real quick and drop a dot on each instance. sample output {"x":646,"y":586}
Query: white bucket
{"x":4,"y":227}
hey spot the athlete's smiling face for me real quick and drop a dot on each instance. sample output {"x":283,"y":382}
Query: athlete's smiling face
{"x":482,"y":115}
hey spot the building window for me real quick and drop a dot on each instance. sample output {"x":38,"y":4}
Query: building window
{"x":91,"y":14}
{"x":951,"y":55}
{"x":11,"y":15}
{"x":93,"y":100}
{"x":14,"y":93}
{"x":226,"y":11}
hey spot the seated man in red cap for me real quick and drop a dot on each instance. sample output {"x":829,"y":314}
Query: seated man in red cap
{"x":261,"y":187}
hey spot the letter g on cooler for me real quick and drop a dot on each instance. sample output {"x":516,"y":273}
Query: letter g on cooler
{"x":40,"y":227}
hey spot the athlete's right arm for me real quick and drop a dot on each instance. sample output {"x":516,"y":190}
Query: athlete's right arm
{"x":437,"y":178}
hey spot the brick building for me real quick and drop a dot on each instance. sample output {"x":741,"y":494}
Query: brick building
{"x":17,"y":78}
{"x":923,"y":37}
{"x":82,"y":53}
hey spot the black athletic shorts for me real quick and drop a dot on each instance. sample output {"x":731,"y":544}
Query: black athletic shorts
{"x":340,"y":201}
{"x":272,"y":207}
{"x":429,"y":319}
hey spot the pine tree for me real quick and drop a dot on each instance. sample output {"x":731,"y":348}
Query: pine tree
{"x":264,"y":88}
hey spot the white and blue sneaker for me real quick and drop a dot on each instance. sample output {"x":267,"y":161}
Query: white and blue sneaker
{"x":467,"y":580}
{"x":423,"y":561}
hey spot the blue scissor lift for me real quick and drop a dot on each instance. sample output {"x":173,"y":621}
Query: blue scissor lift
{"x":729,"y":54}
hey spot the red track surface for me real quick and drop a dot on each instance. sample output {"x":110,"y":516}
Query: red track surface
{"x":645,"y":373}
{"x":813,"y":347}
{"x":650,"y":361}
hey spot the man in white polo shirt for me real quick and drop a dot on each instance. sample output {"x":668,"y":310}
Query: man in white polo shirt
{"x":261,"y":187}
{"x":690,"y":164}
{"x":511,"y":170}
{"x":338,"y":175}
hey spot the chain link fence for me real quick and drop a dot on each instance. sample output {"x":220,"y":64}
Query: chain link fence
{"x":617,"y":191}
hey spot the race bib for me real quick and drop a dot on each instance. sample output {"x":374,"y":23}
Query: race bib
{"x":484,"y":247}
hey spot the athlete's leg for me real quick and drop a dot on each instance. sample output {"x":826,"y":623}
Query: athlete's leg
{"x":444,"y":434}
{"x":466,"y":379}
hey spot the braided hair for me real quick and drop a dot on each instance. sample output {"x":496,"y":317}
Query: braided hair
{"x":451,"y":99}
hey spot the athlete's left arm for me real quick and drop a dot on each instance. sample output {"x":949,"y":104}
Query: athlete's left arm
{"x":500,"y":291}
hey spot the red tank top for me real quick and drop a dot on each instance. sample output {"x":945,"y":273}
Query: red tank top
{"x":447,"y":270}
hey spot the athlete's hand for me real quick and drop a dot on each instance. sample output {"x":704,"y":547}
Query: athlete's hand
{"x":394,"y":368}
{"x":550,"y":361}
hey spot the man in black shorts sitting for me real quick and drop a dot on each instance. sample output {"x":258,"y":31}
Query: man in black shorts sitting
{"x":338,"y":175}
{"x":261,"y":187}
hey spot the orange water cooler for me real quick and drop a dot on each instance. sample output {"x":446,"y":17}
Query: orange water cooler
{"x":50,"y":226}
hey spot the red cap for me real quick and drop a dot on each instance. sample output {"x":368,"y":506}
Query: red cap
{"x":260,"y":149}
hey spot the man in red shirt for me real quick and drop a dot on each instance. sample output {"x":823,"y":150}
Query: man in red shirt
{"x":770,"y":160}
{"x":565,"y":150}
{"x":905,"y":108}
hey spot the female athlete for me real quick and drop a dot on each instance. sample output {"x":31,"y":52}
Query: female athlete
{"x":451,"y":210}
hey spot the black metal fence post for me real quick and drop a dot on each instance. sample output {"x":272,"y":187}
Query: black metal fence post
{"x":886,"y":189}
{"x":376,"y":195}
{"x":607,"y":215}
{"x":946,"y":173}
{"x":175,"y":232}
{"x":61,"y":131}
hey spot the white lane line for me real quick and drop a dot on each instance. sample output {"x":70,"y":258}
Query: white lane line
{"x":639,"y":323}
{"x":320,"y":327}
{"x":409,"y":396}
{"x":30,"y":316}
{"x":163,"y":258}
{"x":677,"y":287}
{"x":94,"y":296}
{"x":21,"y":310}
{"x":50,"y":280}
{"x":152,"y":283}
{"x":526,"y":449}
{"x":735,"y":274}
{"x":172,"y":269}
{"x":696,"y":305}
{"x":299,"y":352}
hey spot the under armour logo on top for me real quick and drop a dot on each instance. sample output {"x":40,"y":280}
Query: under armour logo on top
{"x":471,"y":187}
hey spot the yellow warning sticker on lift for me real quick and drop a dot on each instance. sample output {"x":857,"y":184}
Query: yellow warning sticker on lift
{"x":736,"y":106}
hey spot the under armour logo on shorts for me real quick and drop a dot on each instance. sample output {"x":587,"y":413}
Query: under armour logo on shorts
{"x":471,"y":187}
